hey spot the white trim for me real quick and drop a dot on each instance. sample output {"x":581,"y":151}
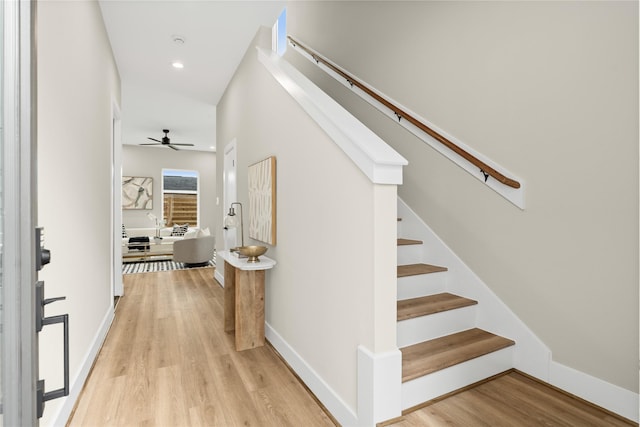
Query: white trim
{"x":514,"y":195}
{"x":377,"y":160}
{"x":117,"y":287}
{"x":379,"y":386}
{"x":61,"y":417}
{"x":218,"y":275}
{"x":609,"y":396}
{"x":329,"y":398}
{"x":229,"y":190}
{"x":274,"y":37}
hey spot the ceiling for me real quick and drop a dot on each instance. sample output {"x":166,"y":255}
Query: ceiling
{"x":155,"y":95}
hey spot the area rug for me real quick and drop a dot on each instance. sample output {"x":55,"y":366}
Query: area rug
{"x":155,"y":266}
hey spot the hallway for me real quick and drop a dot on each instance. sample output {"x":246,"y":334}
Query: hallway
{"x":168,"y":362}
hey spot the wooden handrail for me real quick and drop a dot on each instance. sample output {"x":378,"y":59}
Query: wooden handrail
{"x":401,"y":114}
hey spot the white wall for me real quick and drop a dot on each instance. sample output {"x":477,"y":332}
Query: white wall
{"x":149,"y":161}
{"x":77,"y":83}
{"x":550,"y":91}
{"x":320,"y":296}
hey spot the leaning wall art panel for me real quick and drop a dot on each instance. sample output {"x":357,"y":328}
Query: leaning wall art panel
{"x":262,"y":201}
{"x":137,"y":192}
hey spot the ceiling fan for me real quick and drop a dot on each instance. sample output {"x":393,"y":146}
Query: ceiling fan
{"x":165,"y":141}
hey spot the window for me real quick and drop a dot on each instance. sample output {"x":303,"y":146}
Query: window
{"x":180,"y":197}
{"x":279,"y":34}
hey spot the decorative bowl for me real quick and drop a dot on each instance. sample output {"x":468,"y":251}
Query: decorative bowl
{"x":253,"y":252}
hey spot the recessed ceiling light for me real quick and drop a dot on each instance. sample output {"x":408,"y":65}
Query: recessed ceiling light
{"x":177,"y":64}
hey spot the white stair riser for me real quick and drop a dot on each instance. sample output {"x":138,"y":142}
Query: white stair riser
{"x":410,"y":254}
{"x":430,"y":386}
{"x":421,"y":285}
{"x":425,"y":328}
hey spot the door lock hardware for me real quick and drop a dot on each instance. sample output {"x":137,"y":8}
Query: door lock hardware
{"x":40,"y":303}
{"x":41,"y":321}
{"x":50,"y":300}
{"x":43,"y":256}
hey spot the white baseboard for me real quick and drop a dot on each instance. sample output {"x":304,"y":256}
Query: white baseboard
{"x":329,"y":398}
{"x":219,"y":277}
{"x":609,"y":396}
{"x":64,"y":411}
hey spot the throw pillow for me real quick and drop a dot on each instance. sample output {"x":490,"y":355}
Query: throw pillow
{"x":204,"y":232}
{"x":191,"y":234}
{"x":124,"y":232}
{"x":179,"y":230}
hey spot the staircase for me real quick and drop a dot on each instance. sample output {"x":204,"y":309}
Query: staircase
{"x":442,"y":348}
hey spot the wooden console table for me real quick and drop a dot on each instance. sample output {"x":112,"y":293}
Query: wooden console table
{"x":244,"y":299}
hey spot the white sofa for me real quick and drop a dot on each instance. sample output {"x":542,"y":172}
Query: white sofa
{"x":165,"y":233}
{"x":166,"y":249}
{"x":194,"y":252}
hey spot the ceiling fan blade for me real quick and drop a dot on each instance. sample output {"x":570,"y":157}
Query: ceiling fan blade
{"x":172,"y":147}
{"x":186,"y":145}
{"x":153,"y":139}
{"x":151,"y":143}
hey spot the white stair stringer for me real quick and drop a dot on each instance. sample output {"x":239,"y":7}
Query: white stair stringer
{"x":432,"y":326}
{"x":441,"y":382}
{"x":421,"y":285}
{"x":530,"y":355}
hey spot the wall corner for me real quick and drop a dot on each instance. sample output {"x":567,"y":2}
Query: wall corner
{"x":379,"y":386}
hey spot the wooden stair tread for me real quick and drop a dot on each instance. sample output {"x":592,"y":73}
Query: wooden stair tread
{"x":434,"y":355}
{"x":405,"y":242}
{"x":423,"y":306}
{"x":416,"y":269}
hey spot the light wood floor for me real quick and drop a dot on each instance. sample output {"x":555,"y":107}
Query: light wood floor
{"x":510,"y":400}
{"x":167,"y":362}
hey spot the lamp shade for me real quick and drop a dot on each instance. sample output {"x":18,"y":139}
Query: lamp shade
{"x":231,"y":221}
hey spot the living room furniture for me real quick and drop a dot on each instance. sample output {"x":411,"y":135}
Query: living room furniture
{"x":197,"y":251}
{"x":167,"y":240}
{"x":135,"y":251}
{"x":165,"y":233}
{"x":244,"y":299}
